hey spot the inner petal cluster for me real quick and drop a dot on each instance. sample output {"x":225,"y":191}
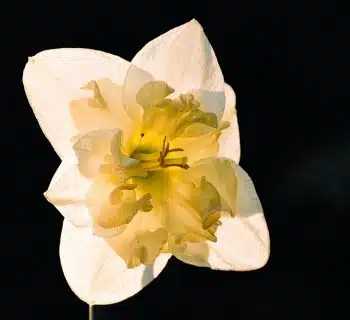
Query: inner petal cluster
{"x":147,"y":196}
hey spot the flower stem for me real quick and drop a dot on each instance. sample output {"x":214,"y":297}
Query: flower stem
{"x":91,"y":313}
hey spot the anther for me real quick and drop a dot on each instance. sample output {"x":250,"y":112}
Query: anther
{"x":175,"y":150}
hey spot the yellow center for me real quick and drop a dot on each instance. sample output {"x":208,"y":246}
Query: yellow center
{"x":154,"y":200}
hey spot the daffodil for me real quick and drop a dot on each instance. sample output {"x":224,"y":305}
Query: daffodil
{"x":149,"y":170}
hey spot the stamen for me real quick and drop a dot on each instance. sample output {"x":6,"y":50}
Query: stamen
{"x":167,"y":148}
{"x":176,"y":162}
{"x":164,"y":140}
{"x":183,"y":166}
{"x":161,"y":158}
{"x":157,"y":160}
{"x":175,"y":150}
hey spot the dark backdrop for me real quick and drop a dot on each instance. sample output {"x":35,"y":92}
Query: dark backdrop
{"x":294,"y":134}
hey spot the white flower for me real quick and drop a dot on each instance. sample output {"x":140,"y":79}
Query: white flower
{"x":150,"y":153}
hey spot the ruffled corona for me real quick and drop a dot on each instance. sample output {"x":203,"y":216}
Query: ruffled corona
{"x":148,"y":173}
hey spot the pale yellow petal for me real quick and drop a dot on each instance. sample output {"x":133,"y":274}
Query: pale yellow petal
{"x":118,"y":155}
{"x":243,"y":242}
{"x":135,"y":79}
{"x":105,"y":214}
{"x":229,"y":141}
{"x":112,"y":207}
{"x":96,"y":274}
{"x":196,"y":148}
{"x":67,"y":192}
{"x":53,"y":78}
{"x":91,"y":150}
{"x":185,"y":60}
{"x":101,"y":109}
{"x":184,"y":222}
{"x":153,"y":93}
{"x":221,"y":172}
{"x":141,"y":241}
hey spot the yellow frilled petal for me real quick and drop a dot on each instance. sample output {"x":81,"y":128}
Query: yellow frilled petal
{"x":142,"y":240}
{"x":242,"y":241}
{"x":185,"y":60}
{"x":190,"y":202}
{"x":220,"y":173}
{"x":112,"y":206}
{"x":96,"y":273}
{"x":54,"y":81}
{"x":229,"y":144}
{"x":153,"y":93}
{"x":91,"y":150}
{"x":101,"y":108}
{"x":205,"y":192}
{"x":101,"y":152}
{"x":197,"y":148}
{"x":185,"y":224}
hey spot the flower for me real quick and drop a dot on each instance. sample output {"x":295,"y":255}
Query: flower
{"x":150,"y":153}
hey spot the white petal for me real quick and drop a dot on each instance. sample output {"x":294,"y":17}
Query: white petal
{"x":184,"y":58}
{"x":243,"y":242}
{"x":229,"y":139}
{"x":53,"y":78}
{"x":96,"y":274}
{"x":67,"y":192}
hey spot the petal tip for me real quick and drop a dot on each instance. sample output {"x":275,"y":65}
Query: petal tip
{"x":195,"y":22}
{"x":263,"y":260}
{"x":46,"y":194}
{"x":195,"y":25}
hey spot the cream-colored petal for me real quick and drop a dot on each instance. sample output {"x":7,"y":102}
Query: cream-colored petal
{"x":229,"y":142}
{"x":67,"y":192}
{"x":185,"y":60}
{"x":243,"y":242}
{"x":53,"y":78}
{"x":96,"y":274}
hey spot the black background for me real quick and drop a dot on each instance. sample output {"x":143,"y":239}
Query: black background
{"x":283,"y":60}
